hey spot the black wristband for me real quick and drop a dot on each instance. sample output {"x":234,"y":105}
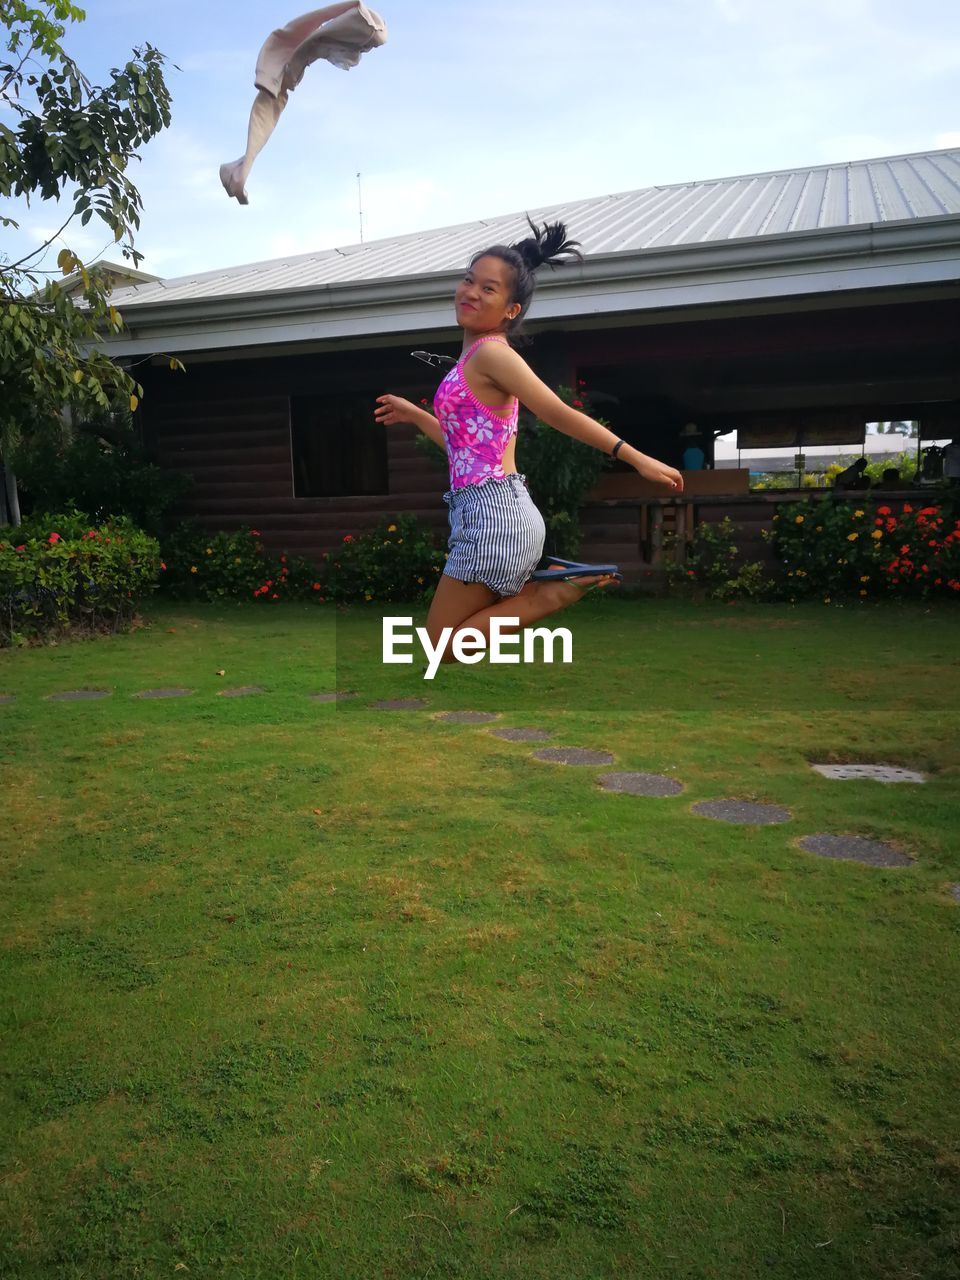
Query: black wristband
{"x":617,"y":447}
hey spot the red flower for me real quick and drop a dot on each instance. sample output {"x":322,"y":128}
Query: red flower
{"x":883,"y":511}
{"x":907,"y":508}
{"x":904,"y":551}
{"x":316,"y":586}
{"x":22,"y":547}
{"x":254,"y":533}
{"x":54,"y":537}
{"x":578,"y":404}
{"x":274,"y":596}
{"x":162,"y":565}
{"x":283,"y":559}
{"x":348,"y":537}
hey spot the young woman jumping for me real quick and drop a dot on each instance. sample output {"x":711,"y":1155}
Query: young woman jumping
{"x":497,"y":534}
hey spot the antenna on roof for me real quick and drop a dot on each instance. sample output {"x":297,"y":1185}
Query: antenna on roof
{"x":360,"y":206}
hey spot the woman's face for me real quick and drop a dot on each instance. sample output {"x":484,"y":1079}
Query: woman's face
{"x":484,"y":296}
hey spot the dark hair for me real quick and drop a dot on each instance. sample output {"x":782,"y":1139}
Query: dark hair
{"x":548,"y":246}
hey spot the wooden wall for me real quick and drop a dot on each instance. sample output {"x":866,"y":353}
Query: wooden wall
{"x":228,"y":428}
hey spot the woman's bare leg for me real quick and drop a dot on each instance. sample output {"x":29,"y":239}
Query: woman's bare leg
{"x":536,"y":600}
{"x":454,"y":601}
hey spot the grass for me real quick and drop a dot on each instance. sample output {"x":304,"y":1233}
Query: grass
{"x":292,"y":989}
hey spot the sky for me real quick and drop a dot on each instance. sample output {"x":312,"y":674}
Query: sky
{"x":474,"y":110}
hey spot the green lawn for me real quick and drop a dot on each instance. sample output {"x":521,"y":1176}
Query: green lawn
{"x":294,"y":989}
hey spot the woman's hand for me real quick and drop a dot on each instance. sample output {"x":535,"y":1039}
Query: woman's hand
{"x":659,"y":473}
{"x":393,"y":410}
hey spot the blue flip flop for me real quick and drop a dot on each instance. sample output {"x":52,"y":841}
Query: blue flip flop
{"x":573,"y":569}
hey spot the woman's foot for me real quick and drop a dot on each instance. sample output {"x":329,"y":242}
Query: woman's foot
{"x":569,"y":591}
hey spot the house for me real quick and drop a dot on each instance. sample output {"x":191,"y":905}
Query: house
{"x":792,"y":306}
{"x":119,"y":275}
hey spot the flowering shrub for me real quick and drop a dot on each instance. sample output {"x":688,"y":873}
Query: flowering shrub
{"x":830,"y":549}
{"x":397,"y":561}
{"x":60,"y":573}
{"x":214,"y":566}
{"x":710,"y":565}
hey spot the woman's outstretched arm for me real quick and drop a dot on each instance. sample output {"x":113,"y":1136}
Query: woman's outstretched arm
{"x":514,"y":377}
{"x":394,"y":409}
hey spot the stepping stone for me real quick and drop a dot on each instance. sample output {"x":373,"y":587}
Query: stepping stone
{"x":400,"y":704}
{"x":522,"y":735}
{"x":467,"y":717}
{"x":954,"y":891}
{"x":877,"y":772}
{"x":855,"y":849}
{"x":741,"y":811}
{"x":572,"y":755}
{"x":240,"y":692}
{"x":336,"y":696}
{"x":78,"y":695}
{"x":640,"y":784}
{"x":164,"y":693}
{"x":7,"y":697}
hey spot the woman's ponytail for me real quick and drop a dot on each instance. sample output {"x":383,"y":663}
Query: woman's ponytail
{"x":547,"y":246}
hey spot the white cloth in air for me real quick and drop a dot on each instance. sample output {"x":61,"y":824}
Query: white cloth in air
{"x":340,"y":34}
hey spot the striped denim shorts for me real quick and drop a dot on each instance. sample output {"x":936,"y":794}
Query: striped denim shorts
{"x":496,"y":534}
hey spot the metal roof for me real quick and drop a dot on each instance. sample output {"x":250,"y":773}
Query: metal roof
{"x":894,"y":189}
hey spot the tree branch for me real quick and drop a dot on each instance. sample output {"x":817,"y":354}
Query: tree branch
{"x":13,"y":266}
{"x":15,"y":71}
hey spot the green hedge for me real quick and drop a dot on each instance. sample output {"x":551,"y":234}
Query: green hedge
{"x":61,"y":574}
{"x":399,"y":560}
{"x":198,"y":565}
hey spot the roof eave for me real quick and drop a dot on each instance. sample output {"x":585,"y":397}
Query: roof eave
{"x":791,"y":263}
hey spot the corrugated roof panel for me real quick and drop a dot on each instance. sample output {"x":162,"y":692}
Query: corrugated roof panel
{"x":923,"y":185}
{"x":864,"y":195}
{"x":935,"y":178}
{"x":921,"y":200}
{"x":778,"y":216}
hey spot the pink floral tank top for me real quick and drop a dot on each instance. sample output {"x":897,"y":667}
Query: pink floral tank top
{"x":476,"y":437}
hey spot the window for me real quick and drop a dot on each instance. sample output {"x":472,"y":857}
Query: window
{"x":338,"y":448}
